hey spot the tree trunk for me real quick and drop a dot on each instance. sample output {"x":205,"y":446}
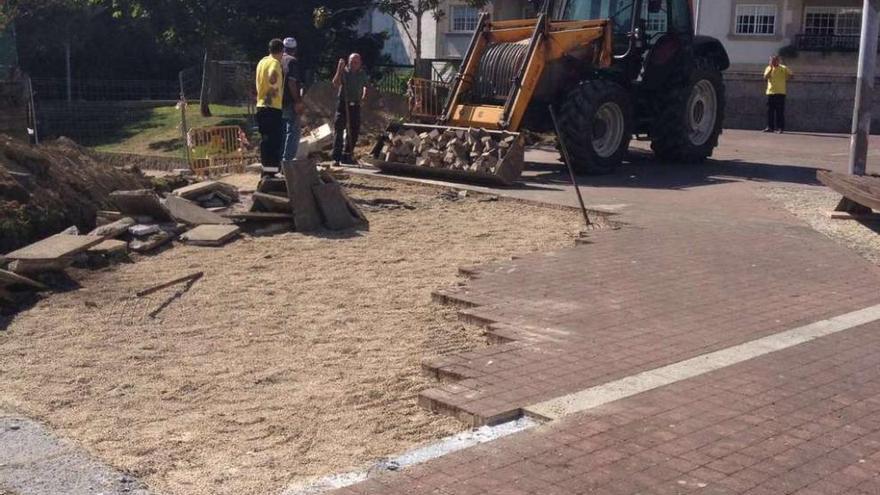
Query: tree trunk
{"x":204,"y":96}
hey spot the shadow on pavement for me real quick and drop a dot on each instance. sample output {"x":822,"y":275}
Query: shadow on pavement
{"x":641,"y":170}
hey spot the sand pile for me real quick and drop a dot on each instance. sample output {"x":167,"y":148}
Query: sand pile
{"x":47,"y":188}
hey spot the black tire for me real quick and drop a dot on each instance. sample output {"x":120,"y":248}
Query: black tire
{"x":673,"y":132}
{"x":580,"y":125}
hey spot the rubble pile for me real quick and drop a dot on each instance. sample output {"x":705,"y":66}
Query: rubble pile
{"x":472,"y":150}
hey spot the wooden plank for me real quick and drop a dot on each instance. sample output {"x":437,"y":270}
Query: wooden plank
{"x":9,"y":278}
{"x":184,"y":210}
{"x":55,"y":247}
{"x":301,"y":175}
{"x":859,"y":189}
{"x":333,"y":206}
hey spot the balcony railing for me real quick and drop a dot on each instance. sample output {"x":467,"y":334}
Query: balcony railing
{"x":827,"y":43}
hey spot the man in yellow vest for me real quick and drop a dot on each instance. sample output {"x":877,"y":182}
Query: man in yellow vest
{"x":777,"y":76}
{"x":270,"y":94}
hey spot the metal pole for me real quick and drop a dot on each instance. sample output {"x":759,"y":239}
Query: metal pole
{"x":564,"y":149}
{"x":861,"y":125}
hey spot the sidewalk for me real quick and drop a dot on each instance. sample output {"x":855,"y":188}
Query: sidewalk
{"x":700,"y":268}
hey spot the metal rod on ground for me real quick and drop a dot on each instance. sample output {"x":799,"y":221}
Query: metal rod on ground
{"x":861,"y":126}
{"x":570,"y":168}
{"x":188,"y":278}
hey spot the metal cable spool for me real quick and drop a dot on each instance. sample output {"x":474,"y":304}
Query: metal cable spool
{"x":499,"y":67}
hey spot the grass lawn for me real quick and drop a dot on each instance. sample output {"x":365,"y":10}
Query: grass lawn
{"x":158,"y":132}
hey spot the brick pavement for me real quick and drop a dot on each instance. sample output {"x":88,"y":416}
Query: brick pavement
{"x":705,"y":264}
{"x":633,"y":300}
{"x":804,"y":421}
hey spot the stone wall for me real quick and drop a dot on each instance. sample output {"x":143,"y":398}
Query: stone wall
{"x":815,"y":103}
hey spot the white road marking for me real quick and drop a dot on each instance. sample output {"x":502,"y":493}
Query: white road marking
{"x":666,"y":375}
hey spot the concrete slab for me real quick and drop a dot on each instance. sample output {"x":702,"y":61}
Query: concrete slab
{"x":110,"y":247}
{"x":10,"y":278}
{"x":193,"y":191}
{"x":142,"y":202}
{"x":55,"y":247}
{"x":210,"y":235}
{"x":185,"y":211}
{"x":114,"y":229}
{"x":271,"y":203}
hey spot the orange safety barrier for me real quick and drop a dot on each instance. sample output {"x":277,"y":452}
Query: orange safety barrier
{"x":219,"y":150}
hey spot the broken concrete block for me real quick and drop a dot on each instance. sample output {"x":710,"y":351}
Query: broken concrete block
{"x":110,"y":247}
{"x":210,"y":235}
{"x":8,"y":279}
{"x":72,"y":230}
{"x":194,"y":191}
{"x":143,"y":230}
{"x":183,"y":210}
{"x":322,"y":137}
{"x":152,"y":243}
{"x":271,"y":203}
{"x":140,"y":202}
{"x":114,"y":229}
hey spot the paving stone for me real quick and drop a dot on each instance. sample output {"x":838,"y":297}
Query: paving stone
{"x":210,"y":235}
{"x":193,"y":191}
{"x":190,"y":213}
{"x":55,"y":247}
{"x":110,"y":247}
{"x":142,"y":202}
{"x":113,"y":229}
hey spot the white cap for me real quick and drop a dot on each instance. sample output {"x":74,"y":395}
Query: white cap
{"x":289,"y":43}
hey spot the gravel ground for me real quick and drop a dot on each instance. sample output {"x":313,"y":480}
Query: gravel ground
{"x":293,"y":357}
{"x":812,"y":204}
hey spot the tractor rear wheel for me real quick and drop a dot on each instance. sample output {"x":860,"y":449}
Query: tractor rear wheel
{"x":596,"y":122}
{"x":689,"y":119}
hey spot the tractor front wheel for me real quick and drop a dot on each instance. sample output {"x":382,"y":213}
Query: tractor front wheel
{"x":689,"y":118}
{"x":596,"y":122}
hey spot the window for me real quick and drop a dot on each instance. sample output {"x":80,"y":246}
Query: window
{"x":829,"y":21}
{"x":464,"y":18}
{"x":756,"y":20}
{"x":655,"y":22}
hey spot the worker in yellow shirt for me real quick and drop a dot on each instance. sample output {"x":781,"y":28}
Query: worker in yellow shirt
{"x":270,"y":94}
{"x":777,"y":76}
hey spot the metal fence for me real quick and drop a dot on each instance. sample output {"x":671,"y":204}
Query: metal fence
{"x":104,"y":90}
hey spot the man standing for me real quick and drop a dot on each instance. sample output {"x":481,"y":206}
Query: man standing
{"x":777,"y":76}
{"x":293,"y":105}
{"x":270,"y":84}
{"x":351,"y":80}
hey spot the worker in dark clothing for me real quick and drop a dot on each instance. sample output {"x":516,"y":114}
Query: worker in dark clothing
{"x":351,"y":80}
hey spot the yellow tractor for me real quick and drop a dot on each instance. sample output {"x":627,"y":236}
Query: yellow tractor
{"x":611,"y":69}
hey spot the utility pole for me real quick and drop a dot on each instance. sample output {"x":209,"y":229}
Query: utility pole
{"x":861,"y":126}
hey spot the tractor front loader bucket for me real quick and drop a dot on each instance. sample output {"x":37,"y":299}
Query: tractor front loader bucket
{"x":476,"y":137}
{"x":453,"y":153}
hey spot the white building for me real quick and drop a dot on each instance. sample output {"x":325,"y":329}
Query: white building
{"x":447,"y":37}
{"x":814,"y":36}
